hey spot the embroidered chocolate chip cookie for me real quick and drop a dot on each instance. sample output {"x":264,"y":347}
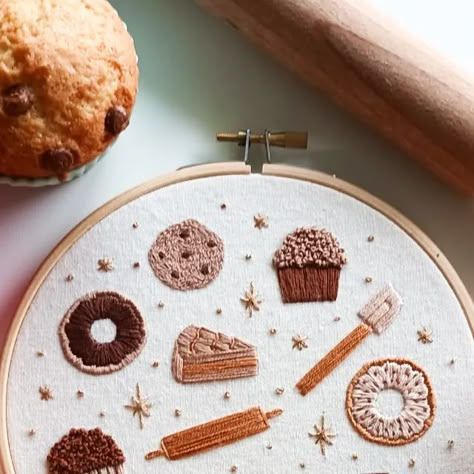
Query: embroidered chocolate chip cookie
{"x":187,"y":256}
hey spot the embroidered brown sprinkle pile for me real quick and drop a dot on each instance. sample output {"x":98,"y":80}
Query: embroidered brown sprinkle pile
{"x":45,"y":393}
{"x":105,"y":265}
{"x":70,"y":278}
{"x":139,"y":406}
{"x":299,"y":342}
{"x":84,"y":451}
{"x":187,"y":256}
{"x":201,"y":355}
{"x":90,"y":356}
{"x":260,"y":221}
{"x":425,"y":336}
{"x":251,"y":300}
{"x":322,"y":436}
{"x":214,"y":434}
{"x":308,"y":265}
{"x":413,"y":384}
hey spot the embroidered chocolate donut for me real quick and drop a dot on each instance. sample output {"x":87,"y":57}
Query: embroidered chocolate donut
{"x":403,"y":376}
{"x":87,"y":354}
{"x":187,"y":256}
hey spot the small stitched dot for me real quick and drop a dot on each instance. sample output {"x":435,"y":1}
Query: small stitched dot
{"x":69,"y":278}
{"x":155,"y":364}
{"x":136,"y":265}
{"x":234,"y":469}
{"x":452,"y":361}
{"x":135,"y":225}
{"x":161,"y":304}
{"x":223,"y":206}
{"x":186,"y":254}
{"x":227,"y":395}
{"x":248,"y":257}
{"x":280,"y":391}
{"x":161,"y":255}
{"x":450,"y":444}
{"x":302,"y":465}
{"x":272,"y":331}
{"x":211,"y":244}
{"x":31,"y":433}
{"x":269,"y":447}
{"x":370,"y":238}
{"x":219,"y":311}
{"x":40,"y":354}
{"x":102,"y":414}
{"x":177,"y":413}
{"x":337,"y":318}
{"x":175,"y":274}
{"x":411,"y":463}
{"x":205,"y":269}
{"x":368,"y":279}
{"x":355,"y":456}
{"x":80,"y":394}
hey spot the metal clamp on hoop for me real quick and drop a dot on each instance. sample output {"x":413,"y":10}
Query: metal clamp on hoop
{"x":281,"y":139}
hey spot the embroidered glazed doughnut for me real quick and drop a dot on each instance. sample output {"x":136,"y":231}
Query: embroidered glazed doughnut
{"x":187,"y":256}
{"x":413,"y":384}
{"x":87,"y":354}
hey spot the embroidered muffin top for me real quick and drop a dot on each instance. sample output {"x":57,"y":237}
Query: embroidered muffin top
{"x":309,"y":246}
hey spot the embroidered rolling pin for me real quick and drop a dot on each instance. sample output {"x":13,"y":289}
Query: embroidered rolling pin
{"x":377,"y":315}
{"x":215,"y":433}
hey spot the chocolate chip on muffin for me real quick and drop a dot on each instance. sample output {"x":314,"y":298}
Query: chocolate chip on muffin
{"x":17,"y":100}
{"x":116,"y":120}
{"x":59,"y":161}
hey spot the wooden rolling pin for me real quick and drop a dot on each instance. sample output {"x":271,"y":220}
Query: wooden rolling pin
{"x":372,"y":68}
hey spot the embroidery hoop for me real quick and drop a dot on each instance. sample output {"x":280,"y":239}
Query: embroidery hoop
{"x":193,"y":173}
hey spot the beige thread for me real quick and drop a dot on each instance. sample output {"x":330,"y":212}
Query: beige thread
{"x":90,"y":356}
{"x":214,"y":434}
{"x":425,"y":336}
{"x":322,"y":436}
{"x":377,"y":315}
{"x":411,"y":381}
{"x":202,"y":355}
{"x":299,"y":342}
{"x":187,"y":256}
{"x":251,"y":300}
{"x":139,"y":406}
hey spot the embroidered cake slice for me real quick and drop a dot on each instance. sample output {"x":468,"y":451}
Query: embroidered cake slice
{"x":201,"y":355}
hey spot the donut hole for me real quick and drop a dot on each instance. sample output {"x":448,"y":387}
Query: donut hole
{"x":389,"y":403}
{"x":104,"y":331}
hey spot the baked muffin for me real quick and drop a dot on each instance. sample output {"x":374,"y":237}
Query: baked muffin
{"x":308,"y":265}
{"x":68,"y":82}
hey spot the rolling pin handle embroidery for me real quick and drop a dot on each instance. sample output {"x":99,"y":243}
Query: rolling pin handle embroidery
{"x":376,"y":315}
{"x":214,"y":434}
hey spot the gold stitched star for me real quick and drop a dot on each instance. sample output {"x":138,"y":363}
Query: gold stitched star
{"x":299,"y":342}
{"x":260,"y":221}
{"x":322,"y":436}
{"x":140,"y":406}
{"x":425,"y":336}
{"x":45,"y":393}
{"x":251,"y":300}
{"x":105,"y":265}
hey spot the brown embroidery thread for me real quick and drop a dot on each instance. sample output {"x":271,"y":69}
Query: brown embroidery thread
{"x":187,"y":256}
{"x":425,"y":336}
{"x":308,"y":265}
{"x":105,"y":265}
{"x":87,"y":354}
{"x":202,"y":355}
{"x":91,"y":452}
{"x":214,"y":434}
{"x":46,"y":393}
{"x":377,"y":315}
{"x":404,"y":376}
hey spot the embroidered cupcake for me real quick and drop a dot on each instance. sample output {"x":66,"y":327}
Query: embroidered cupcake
{"x":308,"y":265}
{"x":83,"y":451}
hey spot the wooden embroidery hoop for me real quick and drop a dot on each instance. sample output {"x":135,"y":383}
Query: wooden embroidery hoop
{"x":192,"y":173}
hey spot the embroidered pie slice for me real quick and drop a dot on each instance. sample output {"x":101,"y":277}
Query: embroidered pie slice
{"x":201,"y":355}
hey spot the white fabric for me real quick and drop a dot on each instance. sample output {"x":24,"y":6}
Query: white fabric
{"x":393,"y":257}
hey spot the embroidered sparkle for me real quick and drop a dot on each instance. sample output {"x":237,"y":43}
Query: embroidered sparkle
{"x":105,"y":265}
{"x":322,"y":436}
{"x":260,"y":221}
{"x":251,"y":300}
{"x":425,"y":336}
{"x":139,"y":406}
{"x":299,"y":342}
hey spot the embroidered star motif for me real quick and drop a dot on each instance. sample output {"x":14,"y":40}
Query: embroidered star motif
{"x":425,"y":336}
{"x":322,"y":436}
{"x":140,"y":406}
{"x":260,"y":221}
{"x":299,"y":342}
{"x":105,"y":265}
{"x":45,"y":393}
{"x":251,"y":300}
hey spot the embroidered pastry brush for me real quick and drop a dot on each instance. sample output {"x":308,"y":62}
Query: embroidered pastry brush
{"x":215,"y":433}
{"x":376,"y":315}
